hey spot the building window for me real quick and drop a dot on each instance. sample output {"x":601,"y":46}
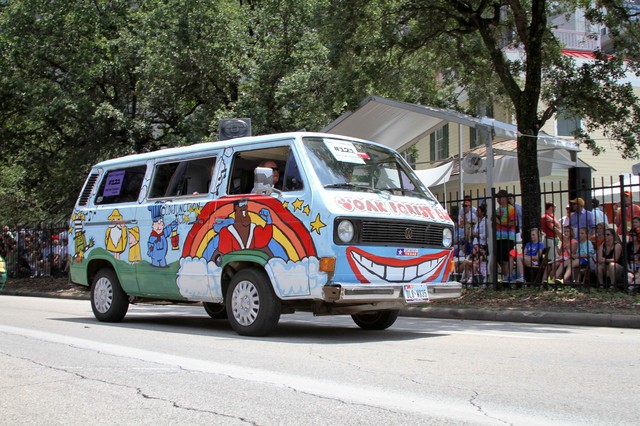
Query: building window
{"x":439,"y":144}
{"x":566,"y":123}
{"x":474,"y":140}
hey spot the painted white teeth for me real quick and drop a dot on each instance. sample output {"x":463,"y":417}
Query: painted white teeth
{"x":375,"y":272}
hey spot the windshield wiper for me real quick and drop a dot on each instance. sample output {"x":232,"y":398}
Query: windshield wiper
{"x":342,"y":185}
{"x":353,"y":186}
{"x":406,"y":191}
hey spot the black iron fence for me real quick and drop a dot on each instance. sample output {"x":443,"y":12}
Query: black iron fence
{"x":589,"y":238}
{"x":35,"y":251}
{"x":604,"y":206}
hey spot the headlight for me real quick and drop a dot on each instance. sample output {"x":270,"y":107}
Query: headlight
{"x":345,"y":231}
{"x":447,"y":237}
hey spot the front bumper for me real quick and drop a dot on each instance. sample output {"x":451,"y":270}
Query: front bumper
{"x":349,"y":293}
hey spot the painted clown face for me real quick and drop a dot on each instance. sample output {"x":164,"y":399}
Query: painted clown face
{"x":370,"y":268}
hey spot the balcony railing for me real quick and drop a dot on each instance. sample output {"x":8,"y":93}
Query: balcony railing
{"x":578,"y":40}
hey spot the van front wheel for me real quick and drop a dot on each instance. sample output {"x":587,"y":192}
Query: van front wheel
{"x":379,"y":320}
{"x":252,"y":307}
{"x":108,"y":301}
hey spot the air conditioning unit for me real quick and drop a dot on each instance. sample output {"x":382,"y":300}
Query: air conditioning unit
{"x":473,"y":163}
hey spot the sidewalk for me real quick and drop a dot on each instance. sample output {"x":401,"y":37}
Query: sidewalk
{"x":464,"y":314}
{"x":536,"y":317}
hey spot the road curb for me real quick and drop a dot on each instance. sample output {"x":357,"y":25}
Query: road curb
{"x":534,"y":317}
{"x":556,"y":318}
{"x":77,"y":296}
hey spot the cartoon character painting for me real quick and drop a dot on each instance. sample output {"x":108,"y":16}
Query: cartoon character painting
{"x":242,"y":233}
{"x":79,"y":237}
{"x":134,"y":245}
{"x":157,"y":245}
{"x":116,"y":236}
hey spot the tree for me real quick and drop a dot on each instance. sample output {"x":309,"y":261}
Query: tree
{"x":87,"y":81}
{"x":476,"y":42}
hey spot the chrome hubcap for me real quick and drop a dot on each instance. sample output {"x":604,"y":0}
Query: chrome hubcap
{"x":245,"y":303}
{"x":103,"y":295}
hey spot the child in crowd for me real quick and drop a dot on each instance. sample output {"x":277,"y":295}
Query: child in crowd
{"x":475,"y":265}
{"x":568,"y":247}
{"x":583,"y":255}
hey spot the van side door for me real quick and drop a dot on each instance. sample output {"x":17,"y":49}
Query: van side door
{"x":178,"y":193}
{"x":274,"y":229}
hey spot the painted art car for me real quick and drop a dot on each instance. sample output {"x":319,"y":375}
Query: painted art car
{"x":260,"y":226}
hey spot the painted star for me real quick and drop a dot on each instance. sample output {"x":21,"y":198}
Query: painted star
{"x":297,"y":204}
{"x":285,"y":204}
{"x":317,"y":224}
{"x":306,"y":210}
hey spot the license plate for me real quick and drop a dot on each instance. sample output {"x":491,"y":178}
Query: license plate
{"x":415,"y":293}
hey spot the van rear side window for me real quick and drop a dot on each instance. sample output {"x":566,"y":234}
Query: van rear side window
{"x":121,"y":185}
{"x":182,"y":178}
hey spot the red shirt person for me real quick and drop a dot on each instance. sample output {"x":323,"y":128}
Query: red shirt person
{"x":631,"y":210}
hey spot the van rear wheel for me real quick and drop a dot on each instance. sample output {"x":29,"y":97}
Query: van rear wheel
{"x":108,"y":301}
{"x":252,"y":307}
{"x":378,"y":320}
{"x":215,"y":310}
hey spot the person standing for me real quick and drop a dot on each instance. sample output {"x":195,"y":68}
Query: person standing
{"x":598,"y":214}
{"x":467,"y":217}
{"x":581,"y":217}
{"x":505,"y":225}
{"x":518,"y":207}
{"x":480,"y":230}
{"x":630,"y":210}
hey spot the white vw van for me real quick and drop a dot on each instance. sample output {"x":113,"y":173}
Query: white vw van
{"x":260,"y":226}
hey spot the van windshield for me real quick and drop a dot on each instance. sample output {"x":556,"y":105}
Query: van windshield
{"x":357,"y":166}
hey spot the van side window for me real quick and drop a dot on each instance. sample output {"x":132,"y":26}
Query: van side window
{"x":245,"y":162}
{"x":182,"y":178}
{"x":121,"y":185}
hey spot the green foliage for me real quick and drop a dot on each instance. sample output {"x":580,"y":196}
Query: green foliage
{"x":86,"y":81}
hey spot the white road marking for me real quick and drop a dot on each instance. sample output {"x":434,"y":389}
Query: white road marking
{"x":367,"y":396}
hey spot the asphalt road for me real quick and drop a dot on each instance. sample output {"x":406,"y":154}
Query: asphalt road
{"x":174,"y":365}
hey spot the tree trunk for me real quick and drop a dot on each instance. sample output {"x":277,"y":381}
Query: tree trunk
{"x":529,"y":178}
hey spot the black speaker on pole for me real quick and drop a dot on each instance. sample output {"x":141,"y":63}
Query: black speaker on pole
{"x":580,"y":184}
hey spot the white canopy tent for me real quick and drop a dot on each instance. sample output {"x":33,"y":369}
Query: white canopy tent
{"x":610,"y":193}
{"x":399,"y":125}
{"x":437,"y":175}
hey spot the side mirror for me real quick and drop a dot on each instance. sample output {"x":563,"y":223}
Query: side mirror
{"x":263,"y":181}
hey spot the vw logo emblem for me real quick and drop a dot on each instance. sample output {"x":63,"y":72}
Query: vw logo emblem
{"x":408,"y":233}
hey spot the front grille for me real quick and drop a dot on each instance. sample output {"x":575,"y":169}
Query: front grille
{"x":401,"y":233}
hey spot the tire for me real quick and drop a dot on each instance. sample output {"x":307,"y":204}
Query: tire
{"x":215,"y":310}
{"x":108,"y":301}
{"x":252,"y":307}
{"x":377,"y":320}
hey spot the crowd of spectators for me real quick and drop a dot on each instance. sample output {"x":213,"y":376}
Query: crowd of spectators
{"x":34,"y":252}
{"x":584,"y":246}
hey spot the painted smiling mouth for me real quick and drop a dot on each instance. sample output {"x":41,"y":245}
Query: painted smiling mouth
{"x":370,"y":268}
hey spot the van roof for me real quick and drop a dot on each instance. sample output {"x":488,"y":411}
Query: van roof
{"x":204,"y":146}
